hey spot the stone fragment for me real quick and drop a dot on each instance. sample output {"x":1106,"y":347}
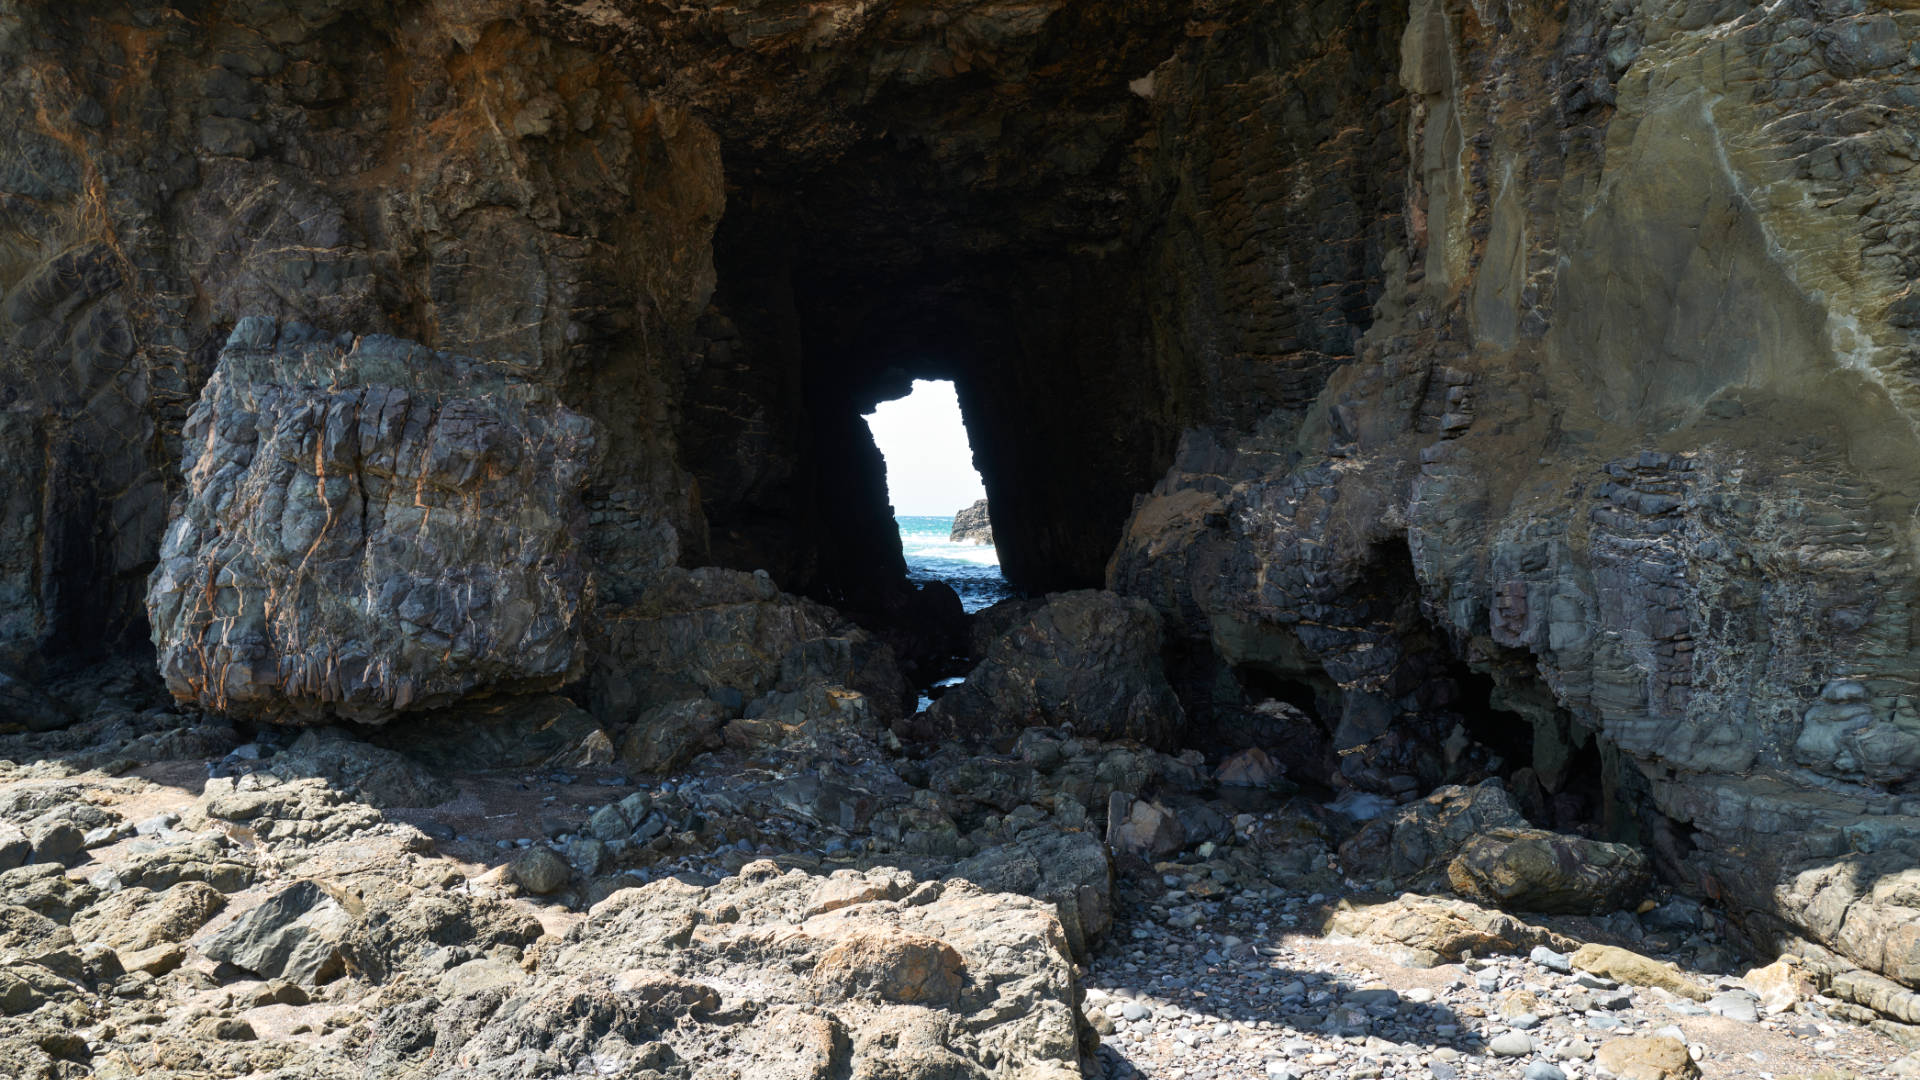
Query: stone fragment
{"x":520,"y":731}
{"x":1535,"y":870}
{"x":1067,"y":869}
{"x":1408,"y":840}
{"x":1780,"y":985}
{"x":375,"y":775}
{"x":1143,"y":829}
{"x":1511,"y":1044}
{"x":1641,"y":1057}
{"x":733,"y":637}
{"x":298,"y":934}
{"x":15,"y":848}
{"x":136,"y":919}
{"x":972,"y":525}
{"x":1627,"y":966}
{"x":668,"y":736}
{"x":1248,"y":768}
{"x":1552,"y":961}
{"x":57,"y":841}
{"x":1443,"y":927}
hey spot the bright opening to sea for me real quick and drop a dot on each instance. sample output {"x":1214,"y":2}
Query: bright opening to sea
{"x":972,"y":569}
{"x":930,"y":478}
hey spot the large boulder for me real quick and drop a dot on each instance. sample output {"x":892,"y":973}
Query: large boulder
{"x":369,"y":526}
{"x":1426,"y":834}
{"x":1087,"y":659}
{"x":299,"y":934}
{"x":1071,"y":870}
{"x":732,"y":637}
{"x":1536,"y":870}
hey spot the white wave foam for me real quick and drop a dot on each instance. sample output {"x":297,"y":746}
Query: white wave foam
{"x":979,"y":554}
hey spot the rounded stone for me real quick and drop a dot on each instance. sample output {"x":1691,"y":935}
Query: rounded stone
{"x":539,"y":870}
{"x":1511,"y":1044}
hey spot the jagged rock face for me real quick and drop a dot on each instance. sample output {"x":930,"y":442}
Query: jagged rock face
{"x":369,"y":526}
{"x":972,"y":525}
{"x":1627,"y":427}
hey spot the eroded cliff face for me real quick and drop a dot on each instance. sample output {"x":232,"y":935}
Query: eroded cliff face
{"x":1627,"y":436}
{"x":1539,"y":372}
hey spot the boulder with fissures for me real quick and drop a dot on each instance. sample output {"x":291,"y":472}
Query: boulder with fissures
{"x":369,"y":526}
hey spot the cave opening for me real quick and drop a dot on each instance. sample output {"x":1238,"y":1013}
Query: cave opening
{"x":931,"y":485}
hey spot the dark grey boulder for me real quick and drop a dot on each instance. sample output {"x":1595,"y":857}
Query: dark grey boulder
{"x":298,"y":935}
{"x":1086,"y":659}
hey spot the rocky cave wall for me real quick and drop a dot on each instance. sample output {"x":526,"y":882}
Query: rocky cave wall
{"x":1562,"y":347}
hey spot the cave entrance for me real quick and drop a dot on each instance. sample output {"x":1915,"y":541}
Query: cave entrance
{"x":931,"y":481}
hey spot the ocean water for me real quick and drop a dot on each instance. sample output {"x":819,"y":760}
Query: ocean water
{"x":972,"y":569}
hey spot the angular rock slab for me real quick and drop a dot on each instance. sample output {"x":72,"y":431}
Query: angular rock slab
{"x":298,"y":935}
{"x":369,"y":526}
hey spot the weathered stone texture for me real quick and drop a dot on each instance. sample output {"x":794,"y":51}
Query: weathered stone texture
{"x":369,"y":526}
{"x":1630,"y":434}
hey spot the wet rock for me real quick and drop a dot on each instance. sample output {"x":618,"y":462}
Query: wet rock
{"x":1086,"y":659}
{"x":369,"y":526}
{"x":1535,"y":870}
{"x":540,"y":871}
{"x":298,"y":935}
{"x":1646,"y":1058}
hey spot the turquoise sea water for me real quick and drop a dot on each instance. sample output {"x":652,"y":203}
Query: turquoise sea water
{"x":972,"y":569}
